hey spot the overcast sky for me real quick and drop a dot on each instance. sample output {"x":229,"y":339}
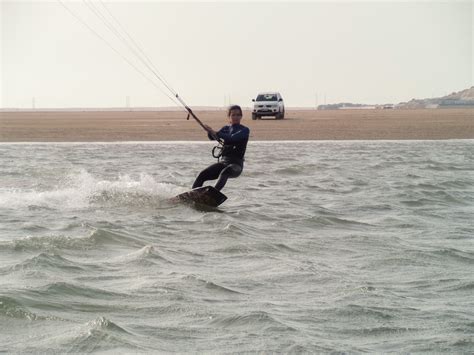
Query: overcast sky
{"x":214,"y":53}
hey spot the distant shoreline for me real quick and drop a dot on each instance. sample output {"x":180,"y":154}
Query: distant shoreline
{"x":299,"y":125}
{"x":139,"y":109}
{"x":207,"y":108}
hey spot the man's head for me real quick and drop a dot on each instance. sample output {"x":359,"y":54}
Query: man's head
{"x":234,"y":113}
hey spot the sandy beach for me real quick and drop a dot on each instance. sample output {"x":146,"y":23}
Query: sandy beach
{"x":109,"y":126}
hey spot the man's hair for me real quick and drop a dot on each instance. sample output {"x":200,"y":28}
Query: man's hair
{"x":233,"y":107}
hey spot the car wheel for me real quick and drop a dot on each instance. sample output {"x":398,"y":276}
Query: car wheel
{"x":254,"y":116}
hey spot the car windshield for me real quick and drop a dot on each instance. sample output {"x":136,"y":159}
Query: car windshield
{"x":267,"y":97}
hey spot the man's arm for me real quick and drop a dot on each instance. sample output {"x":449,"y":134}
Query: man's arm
{"x":211,"y":134}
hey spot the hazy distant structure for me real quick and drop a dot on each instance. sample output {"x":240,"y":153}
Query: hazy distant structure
{"x":460,"y":99}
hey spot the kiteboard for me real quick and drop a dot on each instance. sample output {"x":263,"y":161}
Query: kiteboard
{"x":206,"y":195}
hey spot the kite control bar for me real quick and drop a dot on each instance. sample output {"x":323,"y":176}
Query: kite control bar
{"x":191,"y":113}
{"x":217,"y":150}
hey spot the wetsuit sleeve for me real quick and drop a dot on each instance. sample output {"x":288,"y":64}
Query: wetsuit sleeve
{"x":211,"y":138}
{"x":234,"y":137}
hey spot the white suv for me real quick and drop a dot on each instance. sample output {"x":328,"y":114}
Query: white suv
{"x":268,"y":104}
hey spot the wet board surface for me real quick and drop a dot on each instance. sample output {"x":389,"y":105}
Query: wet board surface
{"x":206,"y":195}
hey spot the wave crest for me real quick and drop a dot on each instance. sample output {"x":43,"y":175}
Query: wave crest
{"x":13,"y":309}
{"x":258,"y":319}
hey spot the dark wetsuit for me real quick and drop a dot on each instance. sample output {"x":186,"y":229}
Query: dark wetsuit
{"x":231,"y":163}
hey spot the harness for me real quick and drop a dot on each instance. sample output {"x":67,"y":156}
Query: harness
{"x":217,"y":151}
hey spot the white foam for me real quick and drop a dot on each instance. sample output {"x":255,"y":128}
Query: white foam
{"x":80,"y":189}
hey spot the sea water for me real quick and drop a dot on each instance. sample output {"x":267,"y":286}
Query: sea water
{"x":350,"y":246}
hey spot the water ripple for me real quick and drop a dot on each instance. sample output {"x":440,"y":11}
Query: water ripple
{"x":320,"y":247}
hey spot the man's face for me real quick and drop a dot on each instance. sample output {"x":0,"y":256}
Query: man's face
{"x":235,"y":116}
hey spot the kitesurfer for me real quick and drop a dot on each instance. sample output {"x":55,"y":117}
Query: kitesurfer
{"x":231,"y":162}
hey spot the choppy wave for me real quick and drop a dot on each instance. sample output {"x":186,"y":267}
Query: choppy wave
{"x":11,"y":308}
{"x":44,"y":261}
{"x":81,"y":190}
{"x":209,"y":285}
{"x":146,"y":256}
{"x":66,"y":289}
{"x":256,"y":320}
{"x":50,"y":243}
{"x":98,"y":335}
{"x":320,"y":247}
